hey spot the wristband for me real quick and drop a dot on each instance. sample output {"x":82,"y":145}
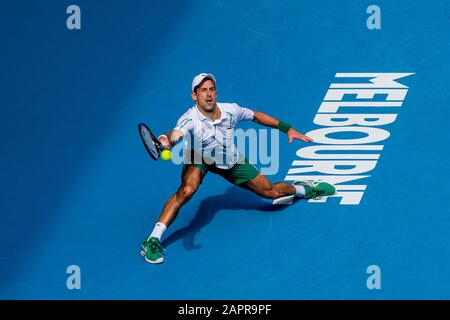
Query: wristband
{"x":284,"y":127}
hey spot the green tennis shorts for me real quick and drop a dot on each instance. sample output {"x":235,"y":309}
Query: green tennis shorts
{"x":239,"y":173}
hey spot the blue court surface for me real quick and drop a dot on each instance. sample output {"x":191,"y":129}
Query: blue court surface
{"x":79,"y":191}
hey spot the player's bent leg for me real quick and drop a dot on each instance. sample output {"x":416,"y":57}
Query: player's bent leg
{"x":151,"y":248}
{"x":263,"y":187}
{"x":191,"y":180}
{"x":307,"y":189}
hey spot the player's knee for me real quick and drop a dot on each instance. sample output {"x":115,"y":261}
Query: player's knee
{"x":187,"y":191}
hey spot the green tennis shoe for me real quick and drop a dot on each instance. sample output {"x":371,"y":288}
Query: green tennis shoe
{"x":316,"y":189}
{"x":152,"y":250}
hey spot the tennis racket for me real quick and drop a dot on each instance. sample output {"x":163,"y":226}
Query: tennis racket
{"x":154,"y":146}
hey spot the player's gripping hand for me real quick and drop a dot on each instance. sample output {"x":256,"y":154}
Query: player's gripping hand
{"x":164,"y":141}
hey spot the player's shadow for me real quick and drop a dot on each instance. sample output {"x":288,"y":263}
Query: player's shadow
{"x":234,"y":198}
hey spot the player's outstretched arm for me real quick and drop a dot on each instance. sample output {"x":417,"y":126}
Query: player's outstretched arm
{"x":269,"y":121}
{"x":169,"y":139}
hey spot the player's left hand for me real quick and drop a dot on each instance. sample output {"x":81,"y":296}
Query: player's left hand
{"x":294,"y":134}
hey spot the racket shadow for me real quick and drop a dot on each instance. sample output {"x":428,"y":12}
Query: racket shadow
{"x":234,"y":198}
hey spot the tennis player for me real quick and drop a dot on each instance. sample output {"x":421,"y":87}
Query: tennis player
{"x":208,"y":128}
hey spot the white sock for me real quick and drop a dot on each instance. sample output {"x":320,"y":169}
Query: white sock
{"x":158,"y":230}
{"x":299,"y":190}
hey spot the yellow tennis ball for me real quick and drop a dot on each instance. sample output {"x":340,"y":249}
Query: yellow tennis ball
{"x":166,"y":155}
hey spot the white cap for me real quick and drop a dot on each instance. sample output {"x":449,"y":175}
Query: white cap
{"x":200,"y":77}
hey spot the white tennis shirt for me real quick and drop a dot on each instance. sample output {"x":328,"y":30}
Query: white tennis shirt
{"x":214,"y":140}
